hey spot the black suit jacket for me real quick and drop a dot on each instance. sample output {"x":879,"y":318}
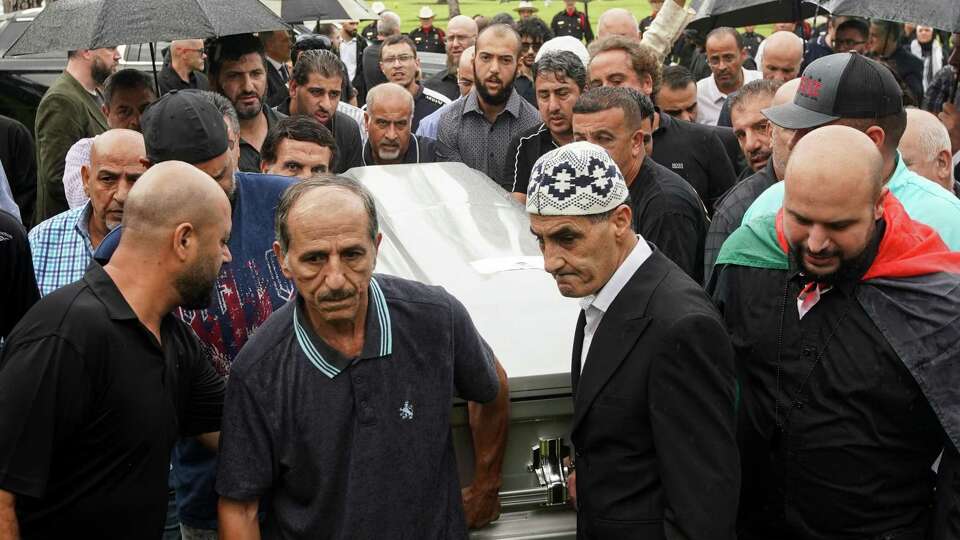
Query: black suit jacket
{"x":276,"y":88}
{"x":654,"y":414}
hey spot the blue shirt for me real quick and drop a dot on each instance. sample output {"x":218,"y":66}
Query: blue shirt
{"x":924,"y":200}
{"x":61,"y":248}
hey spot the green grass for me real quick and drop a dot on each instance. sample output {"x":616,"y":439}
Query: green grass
{"x":408,"y":10}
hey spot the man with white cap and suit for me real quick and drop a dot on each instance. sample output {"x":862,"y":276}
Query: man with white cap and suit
{"x":369,"y":31}
{"x":652,"y":369}
{"x":526,"y":9}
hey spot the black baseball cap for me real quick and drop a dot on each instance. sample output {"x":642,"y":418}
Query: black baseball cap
{"x":843,"y":85}
{"x":183,"y":126}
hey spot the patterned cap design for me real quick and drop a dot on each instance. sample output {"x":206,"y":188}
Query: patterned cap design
{"x":578,"y":179}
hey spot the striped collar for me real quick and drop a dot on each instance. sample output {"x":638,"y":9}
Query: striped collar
{"x":377,"y":337}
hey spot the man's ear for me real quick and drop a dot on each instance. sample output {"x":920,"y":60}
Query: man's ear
{"x":292,"y":89}
{"x":184,"y":241}
{"x":878,"y":208}
{"x":876,"y":135}
{"x":622,"y":220}
{"x":105,"y":110}
{"x":282,"y":259}
{"x":744,"y":54}
{"x":636,"y":142}
{"x":646,"y":84}
{"x":85,"y":178}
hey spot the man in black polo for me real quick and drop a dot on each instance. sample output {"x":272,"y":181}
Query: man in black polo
{"x":389,"y":118}
{"x":99,"y":378}
{"x":238,"y":70}
{"x":315,"y":90}
{"x":666,"y":209}
{"x":560,"y":79}
{"x":348,"y":388}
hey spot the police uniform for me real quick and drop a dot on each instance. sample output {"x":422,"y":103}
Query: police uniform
{"x":369,"y":32}
{"x":431,"y":40}
{"x":573,"y":24}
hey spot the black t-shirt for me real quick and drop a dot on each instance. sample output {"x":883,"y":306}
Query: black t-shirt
{"x":525,"y":149}
{"x":18,"y":291}
{"x":355,"y":447}
{"x":90,"y":407}
{"x":696,"y":154}
{"x":250,"y":156}
{"x":668,"y":212}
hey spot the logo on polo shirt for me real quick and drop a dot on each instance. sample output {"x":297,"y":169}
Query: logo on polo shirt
{"x":406,"y":412}
{"x":678,"y":165}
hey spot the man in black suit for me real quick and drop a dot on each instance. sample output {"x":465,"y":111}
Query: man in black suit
{"x":652,"y":372}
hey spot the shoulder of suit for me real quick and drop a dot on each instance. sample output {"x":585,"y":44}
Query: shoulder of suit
{"x":435,"y":97}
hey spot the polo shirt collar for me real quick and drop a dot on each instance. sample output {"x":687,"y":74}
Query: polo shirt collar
{"x":82,"y":226}
{"x":377,"y":337}
{"x":900,"y":173}
{"x":106,"y":291}
{"x":605,"y":296}
{"x":513,"y":103}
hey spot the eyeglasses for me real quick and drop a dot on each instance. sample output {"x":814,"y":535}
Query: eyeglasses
{"x":849,"y":43}
{"x":200,"y":50}
{"x":530,"y":45}
{"x":403,"y":59}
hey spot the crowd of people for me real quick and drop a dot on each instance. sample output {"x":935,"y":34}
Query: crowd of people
{"x":763,"y":232}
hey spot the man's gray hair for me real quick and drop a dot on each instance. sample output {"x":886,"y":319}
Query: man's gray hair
{"x":225,"y":107}
{"x":932,"y":139}
{"x":564,"y":63}
{"x":388,"y":24}
{"x":385,"y":89}
{"x":298,"y":190}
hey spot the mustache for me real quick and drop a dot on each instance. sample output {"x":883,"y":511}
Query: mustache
{"x":335,"y":295}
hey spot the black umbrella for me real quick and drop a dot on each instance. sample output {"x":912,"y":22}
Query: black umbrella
{"x":325,"y":10}
{"x":714,"y":13}
{"x":68,"y":25}
{"x":940,"y":14}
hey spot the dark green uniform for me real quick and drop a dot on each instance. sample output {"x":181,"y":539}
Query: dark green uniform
{"x":431,"y":40}
{"x":573,"y":24}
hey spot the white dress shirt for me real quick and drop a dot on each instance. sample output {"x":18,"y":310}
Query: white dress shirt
{"x":710,"y":99}
{"x":596,"y":305}
{"x":348,"y":53}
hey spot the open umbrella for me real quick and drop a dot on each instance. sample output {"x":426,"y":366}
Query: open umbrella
{"x":68,"y":25}
{"x":940,"y":14}
{"x":325,"y":10}
{"x":714,"y":13}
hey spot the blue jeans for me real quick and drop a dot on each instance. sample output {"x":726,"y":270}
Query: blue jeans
{"x":171,"y":529}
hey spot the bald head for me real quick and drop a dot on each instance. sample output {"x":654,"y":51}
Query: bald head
{"x":832,"y":201}
{"x":782,"y":56}
{"x":925,"y":147}
{"x":618,"y":22}
{"x":815,"y":163}
{"x":116,"y":163}
{"x":465,"y":76}
{"x":187,"y":54}
{"x":461,"y":33}
{"x":121,"y":143}
{"x":786,"y":92}
{"x":170,"y":194}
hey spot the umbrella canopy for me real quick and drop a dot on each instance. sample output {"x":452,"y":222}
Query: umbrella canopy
{"x":68,"y":25}
{"x":326,"y":10}
{"x":940,"y":14}
{"x":715,"y":13}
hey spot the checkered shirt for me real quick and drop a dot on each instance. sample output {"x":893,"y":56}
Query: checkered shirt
{"x":61,"y":249}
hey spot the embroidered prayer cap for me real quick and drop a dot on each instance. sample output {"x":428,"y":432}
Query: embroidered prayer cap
{"x":578,"y":179}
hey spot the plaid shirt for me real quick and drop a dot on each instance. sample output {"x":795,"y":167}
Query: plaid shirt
{"x":939,"y":89}
{"x":61,"y":249}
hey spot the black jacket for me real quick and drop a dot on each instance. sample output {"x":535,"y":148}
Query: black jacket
{"x":695,"y":153}
{"x":276,"y":87}
{"x":654,"y":414}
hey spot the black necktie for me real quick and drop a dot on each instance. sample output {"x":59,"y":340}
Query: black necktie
{"x":577,"y":351}
{"x":283,"y":73}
